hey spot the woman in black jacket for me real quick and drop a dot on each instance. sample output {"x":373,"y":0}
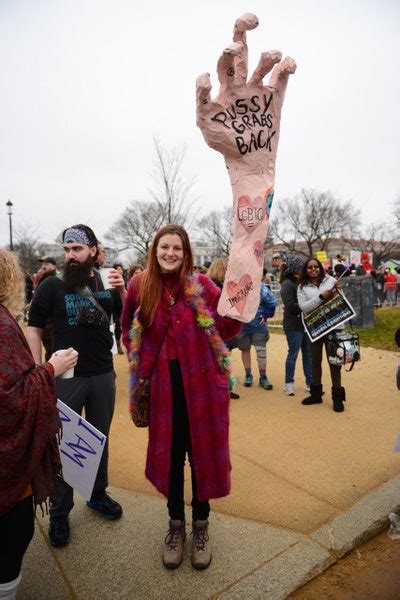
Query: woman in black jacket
{"x":292,"y":325}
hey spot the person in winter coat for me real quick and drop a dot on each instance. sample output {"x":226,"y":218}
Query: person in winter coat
{"x":297,"y":338}
{"x":117,"y":310}
{"x":173,"y":335}
{"x":256,"y":334}
{"x":315,"y":287}
{"x":29,"y":422}
{"x":216,"y":272}
{"x":390,"y":279}
{"x":378,"y":287}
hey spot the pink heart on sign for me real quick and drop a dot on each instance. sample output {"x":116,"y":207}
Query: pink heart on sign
{"x":258,"y":250}
{"x":250,"y":213}
{"x":238,"y":292}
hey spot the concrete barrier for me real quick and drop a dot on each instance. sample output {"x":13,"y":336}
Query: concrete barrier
{"x":359,"y":292}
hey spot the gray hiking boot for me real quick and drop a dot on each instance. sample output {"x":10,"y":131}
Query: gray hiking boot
{"x":174,"y":543}
{"x":201,"y":545}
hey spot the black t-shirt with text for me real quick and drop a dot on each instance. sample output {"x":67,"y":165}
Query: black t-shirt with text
{"x":52,"y":300}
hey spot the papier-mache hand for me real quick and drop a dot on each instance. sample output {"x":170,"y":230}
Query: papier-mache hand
{"x":243,"y":124}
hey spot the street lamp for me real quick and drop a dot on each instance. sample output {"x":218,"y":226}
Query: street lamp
{"x":9,"y":205}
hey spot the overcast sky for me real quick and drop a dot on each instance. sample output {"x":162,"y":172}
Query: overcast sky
{"x":86,"y":84}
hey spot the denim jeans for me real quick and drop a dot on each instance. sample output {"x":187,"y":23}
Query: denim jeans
{"x":298,"y":340}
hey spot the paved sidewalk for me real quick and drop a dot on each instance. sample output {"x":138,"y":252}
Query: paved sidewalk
{"x":308,"y":485}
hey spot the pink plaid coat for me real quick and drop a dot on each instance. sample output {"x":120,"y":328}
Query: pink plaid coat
{"x":206,"y":391}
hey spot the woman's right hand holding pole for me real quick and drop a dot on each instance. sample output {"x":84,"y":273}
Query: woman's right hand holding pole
{"x":328,"y":294}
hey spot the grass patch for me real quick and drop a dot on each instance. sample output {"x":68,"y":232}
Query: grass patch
{"x":381,"y":336}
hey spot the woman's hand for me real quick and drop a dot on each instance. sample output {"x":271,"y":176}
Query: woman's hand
{"x":328,"y":294}
{"x":62,"y":360}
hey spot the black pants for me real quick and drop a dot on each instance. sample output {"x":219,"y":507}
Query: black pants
{"x":97,"y":395}
{"x":16,"y":532}
{"x":316,"y":355}
{"x":117,"y":328}
{"x":181,"y":445}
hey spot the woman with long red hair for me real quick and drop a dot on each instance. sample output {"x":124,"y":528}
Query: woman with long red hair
{"x":173,"y":335}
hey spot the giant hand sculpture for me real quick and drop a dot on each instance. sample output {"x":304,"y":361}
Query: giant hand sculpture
{"x":243,"y":124}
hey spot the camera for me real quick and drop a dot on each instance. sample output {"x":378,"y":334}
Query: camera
{"x":90,"y":316}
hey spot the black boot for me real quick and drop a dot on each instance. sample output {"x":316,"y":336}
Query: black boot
{"x":338,"y":397}
{"x":315,"y":397}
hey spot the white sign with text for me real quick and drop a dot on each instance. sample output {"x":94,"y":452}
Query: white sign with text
{"x":81,"y":448}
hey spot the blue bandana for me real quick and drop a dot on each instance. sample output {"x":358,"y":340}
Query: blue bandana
{"x":76,"y":236}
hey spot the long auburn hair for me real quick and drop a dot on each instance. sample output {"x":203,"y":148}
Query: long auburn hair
{"x":304,"y":277}
{"x":150,"y":281}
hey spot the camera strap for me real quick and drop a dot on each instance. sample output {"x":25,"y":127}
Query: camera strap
{"x":88,"y":294}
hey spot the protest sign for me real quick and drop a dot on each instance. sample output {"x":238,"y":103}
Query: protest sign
{"x":242,"y":123}
{"x":322,"y":256}
{"x":355,"y":257}
{"x":327,"y":316}
{"x":81,"y":448}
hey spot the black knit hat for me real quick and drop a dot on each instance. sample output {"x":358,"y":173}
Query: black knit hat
{"x":294,"y":264}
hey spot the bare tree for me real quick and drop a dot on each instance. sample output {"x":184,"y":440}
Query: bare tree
{"x":312,"y":218}
{"x":216,"y":229}
{"x":28,"y":248}
{"x":136,"y":226}
{"x":171,"y":203}
{"x":170,"y":190}
{"x":396,"y":214}
{"x":382,"y":239}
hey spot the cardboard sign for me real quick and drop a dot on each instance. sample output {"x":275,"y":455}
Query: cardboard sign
{"x":81,"y":448}
{"x":355,"y":257}
{"x":327,"y":316}
{"x":322,"y":256}
{"x":242,"y":123}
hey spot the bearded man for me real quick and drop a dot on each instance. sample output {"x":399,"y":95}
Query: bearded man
{"x":80,"y":310}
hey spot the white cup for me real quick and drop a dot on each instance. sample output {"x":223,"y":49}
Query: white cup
{"x":69,"y":373}
{"x":104,"y":272}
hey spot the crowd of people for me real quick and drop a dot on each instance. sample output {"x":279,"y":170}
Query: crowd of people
{"x":166,"y":317}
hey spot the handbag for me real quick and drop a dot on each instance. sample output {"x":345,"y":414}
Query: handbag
{"x":140,"y":412}
{"x":343,"y":348}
